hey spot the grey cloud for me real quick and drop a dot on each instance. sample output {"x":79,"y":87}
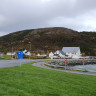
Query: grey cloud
{"x":27,"y":14}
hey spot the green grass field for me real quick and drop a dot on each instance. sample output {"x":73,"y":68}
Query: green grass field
{"x":29,"y":80}
{"x":6,"y":57}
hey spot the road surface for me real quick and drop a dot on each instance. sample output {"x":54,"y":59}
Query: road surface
{"x":12,"y":63}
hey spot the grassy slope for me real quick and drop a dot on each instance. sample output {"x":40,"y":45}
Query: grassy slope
{"x":6,"y":57}
{"x":28,"y":80}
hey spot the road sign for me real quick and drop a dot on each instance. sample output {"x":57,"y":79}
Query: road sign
{"x":65,"y":61}
{"x":84,"y":59}
{"x":20,"y":55}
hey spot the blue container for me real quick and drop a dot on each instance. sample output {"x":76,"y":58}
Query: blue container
{"x":20,"y":55}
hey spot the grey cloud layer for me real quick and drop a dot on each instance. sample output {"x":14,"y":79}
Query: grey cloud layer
{"x":25,"y":14}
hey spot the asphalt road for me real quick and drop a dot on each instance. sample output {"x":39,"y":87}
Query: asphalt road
{"x":12,"y":63}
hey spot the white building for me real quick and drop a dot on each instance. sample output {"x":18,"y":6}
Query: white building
{"x":57,"y":54}
{"x":27,"y":53}
{"x":41,"y":55}
{"x":72,"y":52}
{"x":60,"y":53}
{"x":51,"y":54}
{"x":11,"y":53}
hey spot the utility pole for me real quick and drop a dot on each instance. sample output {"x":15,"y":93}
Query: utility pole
{"x":12,"y":52}
{"x":83,"y":63}
{"x":30,"y":49}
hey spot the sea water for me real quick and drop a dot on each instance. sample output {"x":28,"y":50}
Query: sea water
{"x":90,"y":68}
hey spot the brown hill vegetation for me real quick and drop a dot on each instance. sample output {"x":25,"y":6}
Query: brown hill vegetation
{"x":49,"y":39}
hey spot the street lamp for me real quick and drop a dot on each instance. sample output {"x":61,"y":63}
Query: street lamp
{"x":12,"y":51}
{"x":30,"y":49}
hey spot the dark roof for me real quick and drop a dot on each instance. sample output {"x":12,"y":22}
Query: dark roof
{"x":53,"y":52}
{"x":61,"y":52}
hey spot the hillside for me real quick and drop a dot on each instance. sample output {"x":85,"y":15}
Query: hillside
{"x":49,"y":39}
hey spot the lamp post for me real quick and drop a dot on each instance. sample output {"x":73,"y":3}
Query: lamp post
{"x":12,"y":51}
{"x":65,"y":61}
{"x":30,"y":49}
{"x":83,"y":62}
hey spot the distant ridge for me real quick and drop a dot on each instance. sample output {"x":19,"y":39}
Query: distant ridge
{"x":49,"y":39}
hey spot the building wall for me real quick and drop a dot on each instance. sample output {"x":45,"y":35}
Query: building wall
{"x":11,"y":53}
{"x":51,"y":54}
{"x":78,"y":53}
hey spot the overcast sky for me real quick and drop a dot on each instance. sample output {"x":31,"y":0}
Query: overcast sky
{"x":16,"y":15}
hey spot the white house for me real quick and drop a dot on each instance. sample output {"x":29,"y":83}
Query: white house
{"x":43,"y":55}
{"x":11,"y":53}
{"x":51,"y":54}
{"x":27,"y":53}
{"x":60,"y":53}
{"x":57,"y":54}
{"x":72,"y":52}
